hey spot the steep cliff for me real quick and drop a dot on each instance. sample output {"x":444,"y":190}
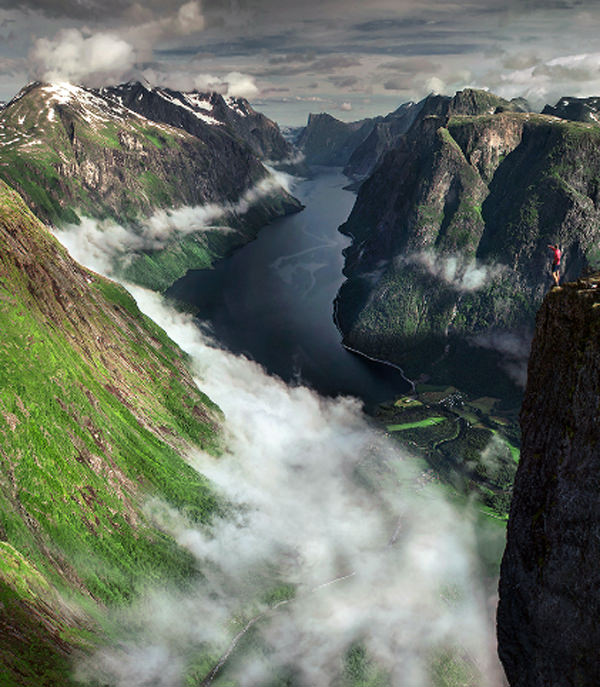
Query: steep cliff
{"x":548,"y":629}
{"x":74,"y":152}
{"x":326,"y":140}
{"x":97,"y":410}
{"x":450,"y":236}
{"x":384,"y":136}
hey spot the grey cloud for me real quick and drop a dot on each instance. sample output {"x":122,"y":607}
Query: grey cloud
{"x":91,"y":10}
{"x":344,"y":81}
{"x":418,"y":64}
{"x":295,"y":57}
{"x":399,"y":83}
{"x":394,"y":24}
{"x":520,"y":61}
{"x":323,"y":65}
{"x":563,"y":72}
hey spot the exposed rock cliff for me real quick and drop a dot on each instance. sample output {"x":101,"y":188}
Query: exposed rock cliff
{"x":383,"y":137}
{"x":450,"y":234}
{"x":327,"y":141}
{"x":548,"y":630}
{"x":97,"y":408}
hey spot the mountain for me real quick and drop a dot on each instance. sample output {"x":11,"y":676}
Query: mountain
{"x":326,"y":140}
{"x":449,"y":259}
{"x":576,"y":109}
{"x":74,"y":152}
{"x":359,"y":146}
{"x":198,"y":113}
{"x":386,"y":134}
{"x":383,"y":137}
{"x":548,"y":632}
{"x":97,"y":410}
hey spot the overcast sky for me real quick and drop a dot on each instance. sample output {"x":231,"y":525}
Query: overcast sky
{"x":352,"y":58}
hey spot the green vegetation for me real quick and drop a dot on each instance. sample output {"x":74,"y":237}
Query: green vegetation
{"x":451,"y":669}
{"x":96,"y":410}
{"x":467,"y":447}
{"x":362,"y":671}
{"x":426,"y":422}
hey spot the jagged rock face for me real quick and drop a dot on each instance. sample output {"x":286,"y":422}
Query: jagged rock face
{"x":200,"y":114}
{"x":548,"y":630}
{"x":387,"y":133}
{"x":327,"y":141}
{"x":383,"y":137}
{"x":450,"y":232}
{"x":576,"y":109}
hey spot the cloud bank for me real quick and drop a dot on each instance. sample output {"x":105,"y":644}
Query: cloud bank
{"x":106,"y":246}
{"x":323,"y":505}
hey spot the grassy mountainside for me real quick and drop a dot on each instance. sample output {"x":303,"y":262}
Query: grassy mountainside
{"x":96,"y":410}
{"x":450,"y":238}
{"x":75,"y":152}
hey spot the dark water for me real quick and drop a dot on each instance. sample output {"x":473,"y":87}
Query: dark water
{"x":273,"y":299}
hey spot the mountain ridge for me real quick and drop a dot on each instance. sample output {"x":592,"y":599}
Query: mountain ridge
{"x":450,"y":234}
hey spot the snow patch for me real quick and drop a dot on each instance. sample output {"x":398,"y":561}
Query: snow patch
{"x":180,"y":103}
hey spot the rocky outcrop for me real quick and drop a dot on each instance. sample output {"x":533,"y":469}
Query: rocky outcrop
{"x":548,"y":631}
{"x":450,"y":233}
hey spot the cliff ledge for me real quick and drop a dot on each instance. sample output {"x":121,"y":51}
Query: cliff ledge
{"x":548,"y":629}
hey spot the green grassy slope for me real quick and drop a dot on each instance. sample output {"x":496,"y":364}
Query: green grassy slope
{"x":96,"y":410}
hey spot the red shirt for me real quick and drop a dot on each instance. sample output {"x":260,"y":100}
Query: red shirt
{"x":557,"y":255}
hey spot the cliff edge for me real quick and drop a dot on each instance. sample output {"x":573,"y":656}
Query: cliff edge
{"x":548,"y":630}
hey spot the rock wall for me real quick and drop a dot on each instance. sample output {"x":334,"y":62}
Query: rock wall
{"x":548,"y":629}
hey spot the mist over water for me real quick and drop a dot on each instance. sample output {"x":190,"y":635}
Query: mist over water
{"x":334,"y":538}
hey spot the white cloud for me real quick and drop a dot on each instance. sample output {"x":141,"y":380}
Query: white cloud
{"x":240,"y":85}
{"x":462,"y":274}
{"x":322,"y":501}
{"x":545,"y":80}
{"x":105,"y":245}
{"x":346,"y":107}
{"x":73,"y":56}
